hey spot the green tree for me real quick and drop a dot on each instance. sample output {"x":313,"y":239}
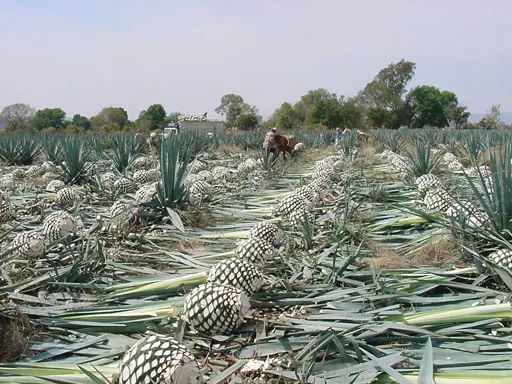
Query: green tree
{"x":458,"y":116}
{"x":231,"y":106}
{"x":492,"y":118}
{"x":81,"y":121}
{"x":352,"y":113}
{"x":321,"y":107}
{"x":153,"y":118}
{"x":247,"y":121}
{"x":48,"y":117}
{"x":327,"y":112}
{"x":382,"y":97}
{"x":285,"y":117}
{"x":17,"y":116}
{"x":110,"y":118}
{"x":427,"y":105}
{"x":306,"y":107}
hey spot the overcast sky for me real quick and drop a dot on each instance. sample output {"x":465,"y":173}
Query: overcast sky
{"x":84,"y":55}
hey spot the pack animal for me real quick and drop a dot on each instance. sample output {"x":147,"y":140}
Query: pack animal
{"x":285,"y":144}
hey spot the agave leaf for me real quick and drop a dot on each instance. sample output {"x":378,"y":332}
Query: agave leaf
{"x":426,"y":374}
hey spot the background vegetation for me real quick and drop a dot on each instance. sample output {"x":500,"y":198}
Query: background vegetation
{"x":385,"y":102}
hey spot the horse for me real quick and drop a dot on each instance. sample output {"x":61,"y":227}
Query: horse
{"x":285,"y":144}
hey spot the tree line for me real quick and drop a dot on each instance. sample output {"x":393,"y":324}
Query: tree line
{"x":383,"y":102}
{"x":22,"y":117}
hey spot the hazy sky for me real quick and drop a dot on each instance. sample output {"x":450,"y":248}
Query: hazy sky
{"x":84,"y":55}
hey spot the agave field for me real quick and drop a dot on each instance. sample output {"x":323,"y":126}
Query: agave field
{"x":205,"y":261}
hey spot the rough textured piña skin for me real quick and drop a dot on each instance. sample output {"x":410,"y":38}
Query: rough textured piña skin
{"x":55,"y":185}
{"x":145,"y":193}
{"x":255,"y":251}
{"x":201,"y":188}
{"x":118,"y":209}
{"x":67,"y":196}
{"x":28,"y":244}
{"x":7,"y":210}
{"x":58,"y":225}
{"x":290,"y":204}
{"x":468,"y":211}
{"x":266,"y":231}
{"x":158,"y":359}
{"x":124,"y":186}
{"x":237,"y":273}
{"x":427,"y":182}
{"x":216,"y":309}
{"x":298,"y":218}
{"x":502,"y":257}
{"x":437,"y":199}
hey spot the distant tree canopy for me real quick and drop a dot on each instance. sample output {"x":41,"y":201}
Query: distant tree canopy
{"x":152,"y":118}
{"x":382,"y":97}
{"x":318,"y":107}
{"x":427,"y":105}
{"x":285,"y":117}
{"x":247,"y":121}
{"x":232,"y":106}
{"x":48,"y":118}
{"x":17,"y":116}
{"x":384,"y":102}
{"x":110,"y":119}
{"x":81,"y":121}
{"x":491,"y":119}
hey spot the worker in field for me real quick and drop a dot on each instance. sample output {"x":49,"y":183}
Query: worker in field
{"x":153,"y":142}
{"x":269,"y":144}
{"x":337,"y":137}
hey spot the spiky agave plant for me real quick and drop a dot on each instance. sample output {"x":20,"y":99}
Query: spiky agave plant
{"x":391,"y":140}
{"x":175,"y":155}
{"x":349,"y":143}
{"x":473,"y":146}
{"x":268,"y":160}
{"x":496,"y":201}
{"x":75,"y":157}
{"x":126,"y":148}
{"x":20,"y":149}
{"x":423,"y":160}
{"x":52,"y":148}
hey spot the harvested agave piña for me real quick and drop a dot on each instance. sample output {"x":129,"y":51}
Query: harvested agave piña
{"x":7,"y":183}
{"x":437,"y":199}
{"x":220,"y":172}
{"x":198,"y":166}
{"x":145,"y":194}
{"x":292,"y":203}
{"x":158,"y":359}
{"x":118,"y":210}
{"x":124,"y":186}
{"x":427,"y":182}
{"x":67,"y":196}
{"x":308,"y":193}
{"x":33,"y":170}
{"x":55,"y":185}
{"x":7,"y":209}
{"x":237,"y":273}
{"x":58,"y":225}
{"x":28,"y":245}
{"x":18,"y":173}
{"x":216,"y":309}
{"x":266,"y":231}
{"x":502,"y":257}
{"x":297,"y":219}
{"x":205,"y":176}
{"x":255,"y":251}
